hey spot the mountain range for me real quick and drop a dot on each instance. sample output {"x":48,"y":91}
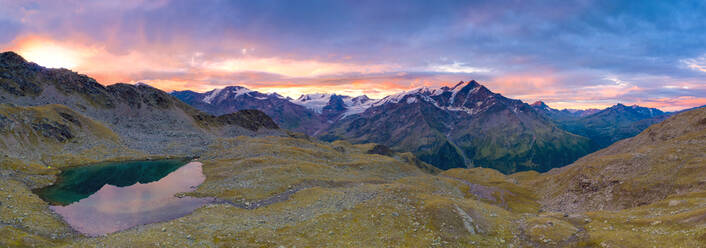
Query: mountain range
{"x":234,"y":98}
{"x":462,"y":126}
{"x":308,"y":114}
{"x":448,"y":127}
{"x":605,"y":127}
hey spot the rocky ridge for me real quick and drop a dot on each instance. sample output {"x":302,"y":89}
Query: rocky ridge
{"x":145,"y":118}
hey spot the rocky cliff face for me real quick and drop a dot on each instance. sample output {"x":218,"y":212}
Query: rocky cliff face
{"x":145,"y":118}
{"x":463,"y":126}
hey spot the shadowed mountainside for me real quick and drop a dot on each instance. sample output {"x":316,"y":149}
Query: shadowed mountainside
{"x":605,"y":127}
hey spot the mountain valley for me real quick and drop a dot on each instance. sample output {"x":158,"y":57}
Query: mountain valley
{"x":607,"y":126}
{"x":448,"y":127}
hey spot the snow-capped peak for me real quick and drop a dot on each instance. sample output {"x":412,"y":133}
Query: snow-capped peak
{"x":541,"y":104}
{"x":460,"y":86}
{"x":314,"y":97}
{"x":357,"y":105}
{"x":218,"y":95}
{"x":473,"y":97}
{"x":428,"y":92}
{"x":360,"y":99}
{"x":419,"y":90}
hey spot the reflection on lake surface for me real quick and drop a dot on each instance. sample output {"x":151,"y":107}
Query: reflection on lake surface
{"x":106,"y":198}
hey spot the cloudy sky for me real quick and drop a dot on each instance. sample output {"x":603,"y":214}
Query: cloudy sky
{"x":571,"y":54}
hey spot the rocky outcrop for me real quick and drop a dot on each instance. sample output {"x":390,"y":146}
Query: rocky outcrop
{"x":381,"y":150}
{"x":52,"y":129}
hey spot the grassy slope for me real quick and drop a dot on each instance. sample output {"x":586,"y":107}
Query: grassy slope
{"x":346,"y":197}
{"x":353,"y":199}
{"x":518,"y":143}
{"x":667,"y":158}
{"x":340,"y":196}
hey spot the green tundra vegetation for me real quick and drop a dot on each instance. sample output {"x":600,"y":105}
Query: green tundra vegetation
{"x":293,"y":191}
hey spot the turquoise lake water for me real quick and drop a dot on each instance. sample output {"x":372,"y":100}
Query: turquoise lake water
{"x":109,"y":197}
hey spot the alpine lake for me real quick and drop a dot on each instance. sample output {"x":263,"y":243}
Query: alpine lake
{"x":109,"y":197}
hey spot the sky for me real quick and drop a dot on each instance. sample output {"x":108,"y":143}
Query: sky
{"x":570,"y":54}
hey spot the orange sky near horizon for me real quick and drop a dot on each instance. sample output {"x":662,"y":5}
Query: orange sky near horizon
{"x":293,"y":77}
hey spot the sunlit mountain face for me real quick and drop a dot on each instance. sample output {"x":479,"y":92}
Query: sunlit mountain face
{"x":570,"y":55}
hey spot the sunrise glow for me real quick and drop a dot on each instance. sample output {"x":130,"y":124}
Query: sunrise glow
{"x":49,"y":54}
{"x":315,"y":53}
